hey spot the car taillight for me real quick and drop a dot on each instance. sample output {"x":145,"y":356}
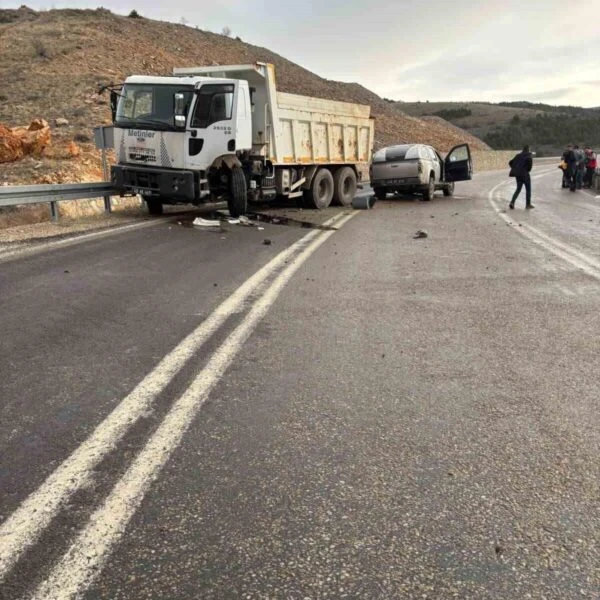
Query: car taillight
{"x":420,"y":167}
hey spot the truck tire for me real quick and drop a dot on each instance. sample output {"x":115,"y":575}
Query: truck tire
{"x":449,"y":189}
{"x":380,"y":193}
{"x":155,"y":207}
{"x":344,"y":186}
{"x":429,"y":191}
{"x":237,"y":202}
{"x":320,"y":193}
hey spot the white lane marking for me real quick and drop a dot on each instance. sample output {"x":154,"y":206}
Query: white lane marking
{"x":10,"y":254}
{"x":24,"y":526}
{"x":564,"y":251}
{"x":541,"y":174}
{"x":83,"y":561}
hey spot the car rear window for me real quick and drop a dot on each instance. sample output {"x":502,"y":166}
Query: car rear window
{"x":395,"y":153}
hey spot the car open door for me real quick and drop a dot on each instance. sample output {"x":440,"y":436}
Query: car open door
{"x":458,"y":165}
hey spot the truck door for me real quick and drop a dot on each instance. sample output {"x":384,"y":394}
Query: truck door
{"x":458,"y":165}
{"x":212,"y":125}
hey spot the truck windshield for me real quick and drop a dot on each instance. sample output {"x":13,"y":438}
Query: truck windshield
{"x":150,"y":106}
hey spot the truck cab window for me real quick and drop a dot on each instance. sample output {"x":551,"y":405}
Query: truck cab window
{"x":214,"y":103}
{"x":147,"y":105}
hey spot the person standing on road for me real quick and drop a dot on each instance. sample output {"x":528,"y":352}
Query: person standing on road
{"x":564,"y":166}
{"x":571,"y":160}
{"x":590,"y":167}
{"x":520,"y":168}
{"x":580,"y":168}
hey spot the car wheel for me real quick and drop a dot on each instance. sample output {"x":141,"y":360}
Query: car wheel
{"x":429,"y":191}
{"x":449,"y":189}
{"x":380,"y":193}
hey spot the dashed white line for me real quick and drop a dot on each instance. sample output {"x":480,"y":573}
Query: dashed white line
{"x":86,"y":556}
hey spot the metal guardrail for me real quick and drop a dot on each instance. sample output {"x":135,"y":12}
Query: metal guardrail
{"x":14,"y":195}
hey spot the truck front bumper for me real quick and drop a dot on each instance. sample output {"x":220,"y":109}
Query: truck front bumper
{"x":164,"y":183}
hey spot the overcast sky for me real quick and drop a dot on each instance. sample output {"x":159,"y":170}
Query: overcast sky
{"x":536,"y":50}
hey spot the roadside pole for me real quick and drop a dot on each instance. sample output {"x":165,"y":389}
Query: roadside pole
{"x":103,"y":137}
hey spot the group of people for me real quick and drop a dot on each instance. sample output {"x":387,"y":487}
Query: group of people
{"x":578,"y":166}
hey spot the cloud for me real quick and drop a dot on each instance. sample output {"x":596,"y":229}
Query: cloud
{"x":546,"y":96}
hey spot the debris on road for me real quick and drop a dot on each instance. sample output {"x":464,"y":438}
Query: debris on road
{"x":246,"y":221}
{"x":200,"y":222}
{"x":363,"y":202}
{"x":267,"y":242}
{"x":420,"y":234}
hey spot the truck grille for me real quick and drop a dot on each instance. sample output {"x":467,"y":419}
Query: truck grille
{"x":268,"y":182}
{"x":142,"y":179}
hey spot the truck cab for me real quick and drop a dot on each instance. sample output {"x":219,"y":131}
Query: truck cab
{"x":169,"y":131}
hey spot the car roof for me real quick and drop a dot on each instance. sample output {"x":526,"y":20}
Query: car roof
{"x":401,"y":146}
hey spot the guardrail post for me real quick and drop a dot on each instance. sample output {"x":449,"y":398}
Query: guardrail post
{"x":107,"y":204}
{"x":54,"y":211}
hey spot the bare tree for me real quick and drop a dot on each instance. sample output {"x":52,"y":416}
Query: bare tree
{"x":226,"y":31}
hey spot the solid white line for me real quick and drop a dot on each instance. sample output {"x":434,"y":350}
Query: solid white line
{"x":83,"y":561}
{"x":564,"y":251}
{"x":541,"y":174}
{"x":24,"y":251}
{"x":24,"y":526}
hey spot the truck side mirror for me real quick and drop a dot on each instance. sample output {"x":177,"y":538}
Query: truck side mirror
{"x":179,"y":101}
{"x":114,"y":99}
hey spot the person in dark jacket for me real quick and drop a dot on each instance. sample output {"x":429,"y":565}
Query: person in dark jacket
{"x":520,"y":167}
{"x":571,"y":159}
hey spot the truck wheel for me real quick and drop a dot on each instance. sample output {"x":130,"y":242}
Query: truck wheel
{"x":155,"y":207}
{"x":380,"y":193}
{"x":320,"y":193}
{"x":344,"y":186}
{"x":238,"y":193}
{"x":429,"y":191}
{"x":449,"y":189}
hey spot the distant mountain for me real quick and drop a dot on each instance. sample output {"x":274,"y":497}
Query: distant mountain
{"x":511,"y":125}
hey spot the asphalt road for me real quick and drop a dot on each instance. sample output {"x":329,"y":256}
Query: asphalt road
{"x":346,"y":412}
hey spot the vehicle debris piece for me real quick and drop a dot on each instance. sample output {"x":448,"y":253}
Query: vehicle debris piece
{"x":363,"y":202}
{"x":244,"y":220}
{"x":421,"y":233}
{"x":200,"y":222}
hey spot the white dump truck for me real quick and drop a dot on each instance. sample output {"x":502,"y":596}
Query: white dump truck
{"x":210,"y":134}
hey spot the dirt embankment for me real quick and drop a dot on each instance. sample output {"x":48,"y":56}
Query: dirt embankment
{"x":52,"y":62}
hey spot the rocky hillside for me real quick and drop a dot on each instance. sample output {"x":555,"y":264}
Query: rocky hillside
{"x":53,"y":61}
